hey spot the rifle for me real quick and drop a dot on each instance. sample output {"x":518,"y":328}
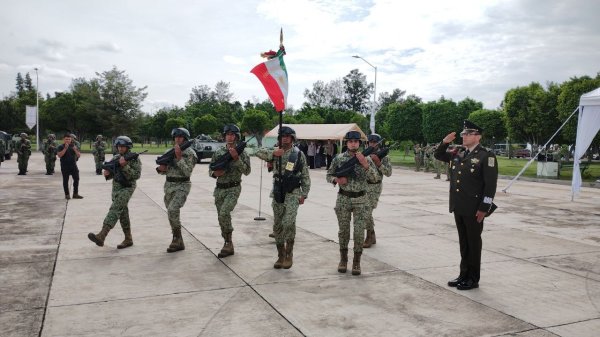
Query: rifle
{"x":169,"y":156}
{"x":382,"y":153}
{"x":223,"y":162}
{"x":114,"y":168}
{"x":347,"y":168}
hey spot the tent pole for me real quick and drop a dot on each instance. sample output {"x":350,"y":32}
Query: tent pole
{"x":539,"y":151}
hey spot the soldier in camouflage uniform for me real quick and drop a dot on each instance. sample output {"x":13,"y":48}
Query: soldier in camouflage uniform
{"x":384,"y":167}
{"x":352,"y":199}
{"x":418,"y":159}
{"x":290,"y":189}
{"x":49,"y":151}
{"x":178,"y":185}
{"x":23,"y":152}
{"x":99,"y":152}
{"x":123,"y":187}
{"x":228,"y":188}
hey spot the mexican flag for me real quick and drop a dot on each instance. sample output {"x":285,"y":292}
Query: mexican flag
{"x":273,"y":76}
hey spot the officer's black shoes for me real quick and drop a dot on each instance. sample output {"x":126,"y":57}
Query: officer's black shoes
{"x":77,"y":196}
{"x":467,"y":285}
{"x":21,"y":174}
{"x":67,"y":196}
{"x":48,"y":173}
{"x":455,"y":282}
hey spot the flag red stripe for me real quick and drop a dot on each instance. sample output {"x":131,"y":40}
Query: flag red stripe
{"x":271,"y":86}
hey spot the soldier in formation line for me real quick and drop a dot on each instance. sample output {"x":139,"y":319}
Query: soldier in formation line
{"x":228,"y":185}
{"x":23,"y":153}
{"x":291,"y":184}
{"x":99,"y":152}
{"x":178,"y":185}
{"x":352,"y":199}
{"x":49,"y":151}
{"x":122,"y":190}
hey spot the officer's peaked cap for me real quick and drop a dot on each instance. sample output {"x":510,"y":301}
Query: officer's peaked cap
{"x":472,"y":127}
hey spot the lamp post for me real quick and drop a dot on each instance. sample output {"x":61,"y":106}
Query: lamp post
{"x":37,"y":110}
{"x":372,"y":122}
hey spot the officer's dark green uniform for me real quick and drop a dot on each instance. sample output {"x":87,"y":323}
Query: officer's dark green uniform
{"x":473,"y":179}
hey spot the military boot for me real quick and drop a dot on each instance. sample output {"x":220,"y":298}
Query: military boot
{"x":227,"y":247}
{"x":280,"y":256}
{"x":373,"y":237}
{"x":367,"y":243}
{"x":343,"y":266}
{"x":289,"y":254}
{"x":356,"y":263}
{"x":128,"y":242}
{"x":177,"y":243}
{"x":99,"y":238}
{"x":272,"y":235}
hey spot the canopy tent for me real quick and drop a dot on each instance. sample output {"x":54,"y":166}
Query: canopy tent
{"x":319,"y":131}
{"x":588,"y":126}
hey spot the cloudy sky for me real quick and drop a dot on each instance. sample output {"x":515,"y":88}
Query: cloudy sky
{"x":430,"y":48}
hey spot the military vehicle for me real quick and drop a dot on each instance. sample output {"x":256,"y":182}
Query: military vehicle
{"x":205,"y":146}
{"x":10,"y":145}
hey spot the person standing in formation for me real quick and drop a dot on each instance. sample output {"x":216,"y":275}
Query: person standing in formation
{"x":23,"y":153}
{"x":99,"y":152}
{"x":49,"y":151}
{"x":374,"y":188}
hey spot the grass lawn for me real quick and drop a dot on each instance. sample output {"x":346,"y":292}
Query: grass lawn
{"x":508,"y":167}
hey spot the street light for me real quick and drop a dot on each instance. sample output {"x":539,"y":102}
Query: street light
{"x":37,"y":110}
{"x":372,"y":122}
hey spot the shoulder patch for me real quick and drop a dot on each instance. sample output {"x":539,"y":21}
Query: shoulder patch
{"x":491,"y":161}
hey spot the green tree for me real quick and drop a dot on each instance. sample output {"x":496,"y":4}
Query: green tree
{"x":468,"y":105}
{"x":568,"y":101}
{"x":255,"y":122}
{"x":121,"y":100}
{"x":404,"y":120}
{"x":206,"y":124}
{"x":492,"y":122}
{"x":173,"y":123}
{"x":440,"y":118}
{"x":357,"y":91}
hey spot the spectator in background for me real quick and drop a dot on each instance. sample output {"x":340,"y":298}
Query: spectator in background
{"x":312,"y":150}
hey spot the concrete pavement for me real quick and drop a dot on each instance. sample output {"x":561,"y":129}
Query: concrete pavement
{"x":540,"y":265}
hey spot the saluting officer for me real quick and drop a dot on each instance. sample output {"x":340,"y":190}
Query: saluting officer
{"x":229,"y":180}
{"x":290,"y":189}
{"x":473,"y":178}
{"x":352,"y":199}
{"x":178,"y":185}
{"x":384,"y":167}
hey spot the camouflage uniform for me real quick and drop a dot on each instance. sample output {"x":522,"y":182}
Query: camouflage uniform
{"x":355,"y":203}
{"x":284,"y":214}
{"x":178,"y":185}
{"x":418,"y":157}
{"x":373,"y":193}
{"x":121,"y":194}
{"x":49,"y":150}
{"x":228,"y":187}
{"x":99,"y":152}
{"x":23,"y":152}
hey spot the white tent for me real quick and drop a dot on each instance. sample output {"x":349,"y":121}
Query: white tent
{"x":319,"y":131}
{"x":588,"y":126}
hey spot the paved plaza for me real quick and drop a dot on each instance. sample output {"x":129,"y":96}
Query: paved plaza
{"x":540,"y":271}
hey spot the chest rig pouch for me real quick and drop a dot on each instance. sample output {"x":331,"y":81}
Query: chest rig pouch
{"x":289,"y":180}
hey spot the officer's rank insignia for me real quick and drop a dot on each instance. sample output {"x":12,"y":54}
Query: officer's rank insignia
{"x":453,"y":167}
{"x":472,"y":170}
{"x":474,"y":161}
{"x":491,"y":161}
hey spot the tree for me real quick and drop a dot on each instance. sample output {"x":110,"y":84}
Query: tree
{"x":385,"y":98}
{"x":173,"y":123}
{"x":222,"y":93}
{"x":492,"y":122}
{"x":255,"y":122}
{"x":357,"y":91}
{"x":404,"y":120}
{"x":20,"y":84}
{"x":568,"y":101}
{"x":468,"y":105}
{"x":440,"y":118}
{"x":201,"y":94}
{"x":121,"y":100}
{"x":206,"y":124}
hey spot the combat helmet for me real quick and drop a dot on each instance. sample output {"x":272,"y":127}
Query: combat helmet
{"x":180,"y":132}
{"x":232,"y":128}
{"x":124,"y":141}
{"x":353,"y":135}
{"x":287,"y":131}
{"x":374,"y":138}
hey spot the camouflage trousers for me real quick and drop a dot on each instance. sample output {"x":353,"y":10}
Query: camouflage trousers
{"x":284,"y":218}
{"x":118,"y":209}
{"x":417,"y":163}
{"x":373,"y":194}
{"x":225,"y":200}
{"x":99,"y":160}
{"x":345,"y":208}
{"x":50,"y":163}
{"x":22,"y":161}
{"x":175,"y":196}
